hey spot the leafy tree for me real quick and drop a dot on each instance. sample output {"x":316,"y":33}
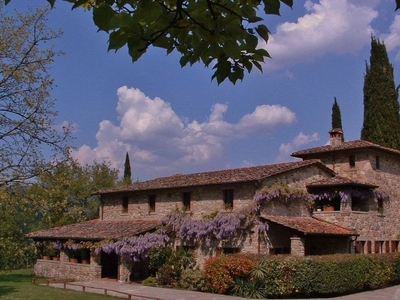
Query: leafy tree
{"x":127,"y":170}
{"x":26,"y":110}
{"x":18,"y":215}
{"x":381,"y":106}
{"x":336,"y":117}
{"x":64,"y":193}
{"x":223,"y":34}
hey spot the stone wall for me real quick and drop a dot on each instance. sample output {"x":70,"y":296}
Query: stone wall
{"x":67,"y":270}
{"x":206,"y":200}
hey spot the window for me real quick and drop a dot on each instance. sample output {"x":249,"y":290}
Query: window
{"x":352,"y":160}
{"x":125,"y":202}
{"x":377,"y":162}
{"x":359,"y":204}
{"x":380,"y":206}
{"x":228,"y":198}
{"x":225,"y":250}
{"x":186,"y":201}
{"x":152,"y":203}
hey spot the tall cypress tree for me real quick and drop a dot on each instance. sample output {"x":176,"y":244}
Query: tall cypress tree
{"x":336,"y":117}
{"x":127,"y":170}
{"x":381,"y":106}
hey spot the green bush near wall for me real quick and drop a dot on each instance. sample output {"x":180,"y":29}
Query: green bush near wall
{"x":320,"y":276}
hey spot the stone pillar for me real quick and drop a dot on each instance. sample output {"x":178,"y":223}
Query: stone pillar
{"x":297,"y":246}
{"x":95,"y":265}
{"x":124,"y":270}
{"x":63,"y":256}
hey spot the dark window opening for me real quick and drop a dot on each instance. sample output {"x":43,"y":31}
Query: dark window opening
{"x":152,"y":203}
{"x":395,"y":246}
{"x":228,"y":198}
{"x":358,"y":204}
{"x":275,"y":251}
{"x":352,"y":160}
{"x":380,"y":206}
{"x":186,"y":201}
{"x":125,"y":202}
{"x":328,"y":204}
{"x":377,"y":162}
{"x":223,"y":250}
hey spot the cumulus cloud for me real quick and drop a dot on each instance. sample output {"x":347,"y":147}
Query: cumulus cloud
{"x":392,"y":40}
{"x":329,"y":26}
{"x":160,"y":142}
{"x":300,"y":140}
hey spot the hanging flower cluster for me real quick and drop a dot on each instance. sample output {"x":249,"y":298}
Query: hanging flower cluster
{"x":220,"y":227}
{"x":281,"y":192}
{"x":136,"y":247}
{"x":346,"y":194}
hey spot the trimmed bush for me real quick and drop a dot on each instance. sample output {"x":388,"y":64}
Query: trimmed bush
{"x":150,"y":281}
{"x":311,"y":276}
{"x":222,"y":271}
{"x":193,"y":280}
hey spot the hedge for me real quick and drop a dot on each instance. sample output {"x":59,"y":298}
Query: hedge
{"x":311,"y":276}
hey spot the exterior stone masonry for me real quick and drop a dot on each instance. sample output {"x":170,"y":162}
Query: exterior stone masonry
{"x":294,"y":228}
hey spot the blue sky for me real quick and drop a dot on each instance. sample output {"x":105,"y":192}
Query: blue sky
{"x":176,"y":120}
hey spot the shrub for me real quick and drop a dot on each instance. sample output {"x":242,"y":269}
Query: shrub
{"x":222,"y":271}
{"x":150,"y":281}
{"x":193,"y":280}
{"x":157,"y":257}
{"x":166,"y":275}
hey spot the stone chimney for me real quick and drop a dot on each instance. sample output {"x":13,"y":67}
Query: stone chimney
{"x":336,"y":137}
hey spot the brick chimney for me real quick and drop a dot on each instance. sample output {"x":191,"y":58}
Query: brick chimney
{"x":336,"y":137}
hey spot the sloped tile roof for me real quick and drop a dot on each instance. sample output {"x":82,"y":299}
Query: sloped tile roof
{"x":356,"y":144}
{"x":340,"y":181}
{"x":219,"y":177}
{"x":97,"y":230}
{"x":309,"y":225}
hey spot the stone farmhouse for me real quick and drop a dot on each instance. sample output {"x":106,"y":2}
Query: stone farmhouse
{"x":341,"y":219}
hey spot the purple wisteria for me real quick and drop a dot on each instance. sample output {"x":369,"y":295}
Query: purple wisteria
{"x":220,"y":227}
{"x":283,"y":193}
{"x":136,"y":247}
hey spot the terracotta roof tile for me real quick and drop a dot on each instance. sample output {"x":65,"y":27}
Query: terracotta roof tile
{"x":218,"y":177}
{"x":340,"y":181}
{"x":96,"y":230}
{"x":357,"y":144}
{"x":309,"y":225}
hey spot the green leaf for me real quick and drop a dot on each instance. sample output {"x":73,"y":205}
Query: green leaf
{"x":117,"y":40}
{"x":272,"y":7}
{"x":397,"y":4}
{"x":263,"y":32}
{"x":102,"y":16}
{"x":76,"y":4}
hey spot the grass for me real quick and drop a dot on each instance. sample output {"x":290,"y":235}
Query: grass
{"x":17,"y":285}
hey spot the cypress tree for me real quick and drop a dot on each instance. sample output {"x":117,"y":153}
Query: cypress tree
{"x":336,"y":117}
{"x":127,"y":170}
{"x":381,"y":106}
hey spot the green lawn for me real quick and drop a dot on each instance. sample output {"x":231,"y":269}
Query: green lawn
{"x":17,"y":285}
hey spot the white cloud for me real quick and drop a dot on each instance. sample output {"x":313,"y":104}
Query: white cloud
{"x":160,"y":142}
{"x":330,"y":26}
{"x":392,"y":40}
{"x":300,"y":140}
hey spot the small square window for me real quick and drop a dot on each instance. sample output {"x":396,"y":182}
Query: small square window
{"x":352,"y":160}
{"x":228,"y":198}
{"x":152,"y":203}
{"x":377,"y":162}
{"x":125,"y":202}
{"x":186,"y":201}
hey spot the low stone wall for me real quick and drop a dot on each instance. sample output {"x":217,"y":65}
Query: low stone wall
{"x":67,"y":270}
